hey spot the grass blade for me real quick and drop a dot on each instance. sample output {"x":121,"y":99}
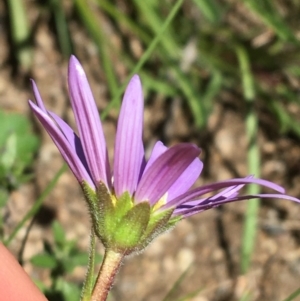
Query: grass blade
{"x":20,"y":33}
{"x":61,"y":27}
{"x":209,"y":9}
{"x":268,"y":14}
{"x":292,"y":296}
{"x":146,"y":55}
{"x":36,"y":206}
{"x":250,"y":223}
{"x":94,"y":27}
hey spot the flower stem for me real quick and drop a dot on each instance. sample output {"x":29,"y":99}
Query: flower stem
{"x":89,"y":279}
{"x":110,"y":266}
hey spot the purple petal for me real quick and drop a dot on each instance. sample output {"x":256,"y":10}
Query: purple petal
{"x":88,"y":123}
{"x":165,"y":171}
{"x":38,"y":97}
{"x":158,"y":149}
{"x":63,"y":145}
{"x":227,"y":193}
{"x":200,"y":191}
{"x":191,"y":209}
{"x":186,"y":180}
{"x":143,"y":164}
{"x":72,"y":138}
{"x":129,"y":150}
{"x":230,"y":191}
{"x":64,"y":127}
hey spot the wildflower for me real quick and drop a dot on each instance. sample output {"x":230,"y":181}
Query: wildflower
{"x":139,"y":199}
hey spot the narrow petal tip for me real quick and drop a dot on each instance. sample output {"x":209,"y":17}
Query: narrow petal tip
{"x":135,"y":79}
{"x":75,"y":66}
{"x":31,"y":104}
{"x":134,"y":88}
{"x":37,"y":96}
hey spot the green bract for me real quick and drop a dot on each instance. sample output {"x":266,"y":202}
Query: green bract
{"x":122,"y":225}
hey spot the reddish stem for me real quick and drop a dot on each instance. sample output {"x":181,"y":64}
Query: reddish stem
{"x":109,"y":268}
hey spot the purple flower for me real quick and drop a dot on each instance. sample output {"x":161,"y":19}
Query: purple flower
{"x":164,"y":181}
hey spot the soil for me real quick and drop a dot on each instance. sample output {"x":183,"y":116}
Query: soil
{"x":208,"y":245}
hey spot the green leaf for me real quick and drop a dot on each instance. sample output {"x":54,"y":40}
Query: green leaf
{"x":9,"y":152}
{"x":17,"y":147}
{"x":59,"y":233}
{"x":80,"y":259}
{"x":70,"y":291}
{"x":44,"y":261}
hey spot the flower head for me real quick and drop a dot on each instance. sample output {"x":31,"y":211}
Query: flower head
{"x":138,"y":199}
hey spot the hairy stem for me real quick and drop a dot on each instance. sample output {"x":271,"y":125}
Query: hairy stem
{"x":88,"y":282}
{"x":110,"y":266}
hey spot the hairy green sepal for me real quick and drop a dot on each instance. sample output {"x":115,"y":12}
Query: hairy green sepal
{"x":122,"y":225}
{"x":131,"y":228}
{"x":158,"y":224}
